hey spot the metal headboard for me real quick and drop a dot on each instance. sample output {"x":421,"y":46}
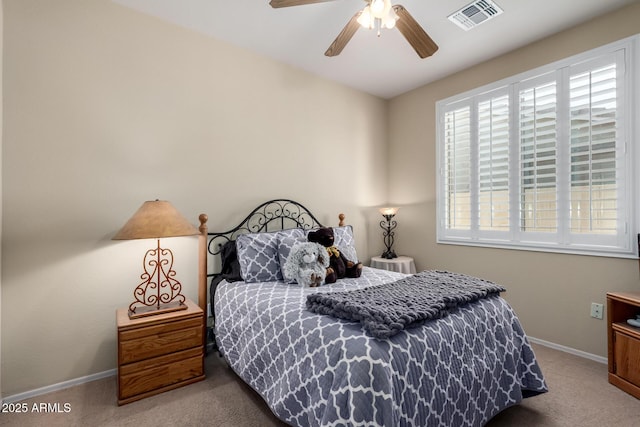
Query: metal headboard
{"x":277,"y":214}
{"x":274,"y":215}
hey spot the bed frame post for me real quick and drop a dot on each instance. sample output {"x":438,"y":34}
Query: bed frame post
{"x":202,"y":276}
{"x":202,"y":264}
{"x":341,"y":218}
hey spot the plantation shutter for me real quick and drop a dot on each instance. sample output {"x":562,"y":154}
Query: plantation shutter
{"x":538,"y":157}
{"x":457,"y":168}
{"x":593,"y":128}
{"x":493,"y":163}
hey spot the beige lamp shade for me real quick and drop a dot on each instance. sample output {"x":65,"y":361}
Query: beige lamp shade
{"x":156,"y":219}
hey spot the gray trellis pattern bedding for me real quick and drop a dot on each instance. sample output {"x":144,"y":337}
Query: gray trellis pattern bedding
{"x":258,"y":257}
{"x":384,"y":310}
{"x":314,"y":370}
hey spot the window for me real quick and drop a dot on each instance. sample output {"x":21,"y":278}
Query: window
{"x":543,"y":160}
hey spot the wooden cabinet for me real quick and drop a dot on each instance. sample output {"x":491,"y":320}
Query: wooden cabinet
{"x":159,"y":353}
{"x":624,"y":341}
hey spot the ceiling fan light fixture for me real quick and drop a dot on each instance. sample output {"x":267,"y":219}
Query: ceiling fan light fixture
{"x":391,"y":18}
{"x":377,"y":14}
{"x":378,"y":7}
{"x":366,"y":19}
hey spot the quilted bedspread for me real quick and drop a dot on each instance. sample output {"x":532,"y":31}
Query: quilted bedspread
{"x":315,"y":370}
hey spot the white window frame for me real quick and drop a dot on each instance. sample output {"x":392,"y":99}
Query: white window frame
{"x":625,"y":242}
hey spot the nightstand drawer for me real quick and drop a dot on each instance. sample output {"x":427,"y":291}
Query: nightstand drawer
{"x":159,"y":329}
{"x":145,"y":343}
{"x":163,"y":371}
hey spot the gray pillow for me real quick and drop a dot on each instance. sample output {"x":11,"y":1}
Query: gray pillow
{"x":345,"y":242}
{"x":261,"y":255}
{"x":258,"y":257}
{"x":286,"y":240}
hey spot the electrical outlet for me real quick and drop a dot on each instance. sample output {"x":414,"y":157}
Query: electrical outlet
{"x":596,"y":310}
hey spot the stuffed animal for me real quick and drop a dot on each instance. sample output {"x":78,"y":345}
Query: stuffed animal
{"x":339,"y":265}
{"x":307,"y":264}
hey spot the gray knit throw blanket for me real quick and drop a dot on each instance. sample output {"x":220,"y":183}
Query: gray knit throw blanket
{"x":387,"y":309}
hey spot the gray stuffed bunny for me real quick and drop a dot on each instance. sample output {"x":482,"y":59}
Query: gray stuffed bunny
{"x":307,"y":264}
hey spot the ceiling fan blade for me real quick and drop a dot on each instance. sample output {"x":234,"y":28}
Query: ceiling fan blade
{"x":413,"y":32}
{"x":345,"y":35}
{"x":287,"y":3}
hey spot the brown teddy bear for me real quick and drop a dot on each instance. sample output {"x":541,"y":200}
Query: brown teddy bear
{"x":339,"y":265}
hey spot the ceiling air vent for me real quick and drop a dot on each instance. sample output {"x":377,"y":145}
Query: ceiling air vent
{"x":475,"y":14}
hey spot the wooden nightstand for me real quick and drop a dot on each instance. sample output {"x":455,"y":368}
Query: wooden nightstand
{"x":623,"y":341}
{"x":159,"y":353}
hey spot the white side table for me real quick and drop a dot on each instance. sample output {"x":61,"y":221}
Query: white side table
{"x":401,"y":264}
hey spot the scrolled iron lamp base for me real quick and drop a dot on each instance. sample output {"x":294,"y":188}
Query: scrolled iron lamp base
{"x":388,"y":225}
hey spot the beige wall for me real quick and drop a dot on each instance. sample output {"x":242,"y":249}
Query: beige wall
{"x":551,"y":293}
{"x":106,"y":108}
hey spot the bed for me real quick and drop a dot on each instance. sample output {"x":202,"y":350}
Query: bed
{"x":317,"y":370}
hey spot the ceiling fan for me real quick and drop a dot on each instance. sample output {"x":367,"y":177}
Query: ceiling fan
{"x":377,"y":14}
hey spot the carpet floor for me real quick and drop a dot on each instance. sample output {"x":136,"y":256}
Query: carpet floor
{"x":579,"y":395}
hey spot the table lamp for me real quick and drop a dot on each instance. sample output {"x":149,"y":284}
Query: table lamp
{"x":388,"y":226}
{"x":159,"y":292}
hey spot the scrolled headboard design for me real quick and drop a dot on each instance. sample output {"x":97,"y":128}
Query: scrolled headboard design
{"x":277,"y":214}
{"x":273,"y":215}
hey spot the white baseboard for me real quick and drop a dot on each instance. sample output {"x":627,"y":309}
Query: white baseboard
{"x":59,"y":386}
{"x":66,"y":384}
{"x":569,"y":350}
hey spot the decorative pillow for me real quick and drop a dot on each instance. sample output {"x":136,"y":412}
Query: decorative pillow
{"x":230,"y":270}
{"x":343,"y":239}
{"x":287,"y":239}
{"x":345,"y":242}
{"x":258,"y":256}
{"x":262,"y":255}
